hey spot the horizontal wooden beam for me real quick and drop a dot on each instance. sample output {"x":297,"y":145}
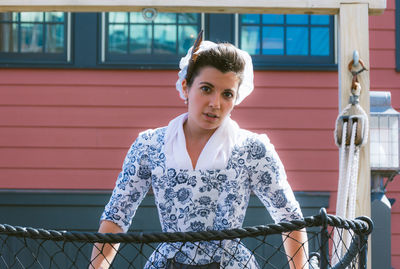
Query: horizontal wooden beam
{"x":207,"y":6}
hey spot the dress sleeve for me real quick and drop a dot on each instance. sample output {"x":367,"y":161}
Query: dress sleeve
{"x":132,"y":184}
{"x":269,"y":181}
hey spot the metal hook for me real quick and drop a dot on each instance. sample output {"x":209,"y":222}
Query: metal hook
{"x":355,"y":73}
{"x":356,"y":58}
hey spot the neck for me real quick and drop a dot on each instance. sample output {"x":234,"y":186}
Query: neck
{"x":195,"y":141}
{"x":194,"y":134}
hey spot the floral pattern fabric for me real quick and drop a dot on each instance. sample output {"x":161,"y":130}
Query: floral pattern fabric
{"x":199,"y":200}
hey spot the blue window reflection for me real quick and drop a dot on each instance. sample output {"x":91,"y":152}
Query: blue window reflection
{"x":140,"y":39}
{"x":297,"y":19}
{"x":297,"y":40}
{"x":272,"y":19}
{"x":320,"y":19}
{"x":273,"y":40}
{"x":250,"y":39}
{"x":168,"y":34}
{"x":320,"y":41}
{"x":251,"y":18}
{"x":32,"y":32}
{"x":291,"y":35}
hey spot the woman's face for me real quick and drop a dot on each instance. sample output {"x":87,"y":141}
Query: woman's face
{"x":211,"y":97}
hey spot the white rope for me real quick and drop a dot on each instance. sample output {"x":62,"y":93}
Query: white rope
{"x":347,"y":189}
{"x":348,"y":171}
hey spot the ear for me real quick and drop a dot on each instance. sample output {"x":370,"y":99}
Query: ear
{"x":185,"y":88}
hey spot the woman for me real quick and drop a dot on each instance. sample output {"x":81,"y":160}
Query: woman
{"x":202,"y":168}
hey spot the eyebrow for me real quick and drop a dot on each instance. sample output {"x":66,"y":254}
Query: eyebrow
{"x":212,"y":86}
{"x":208,"y":83}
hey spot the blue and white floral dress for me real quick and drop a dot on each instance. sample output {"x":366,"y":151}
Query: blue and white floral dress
{"x":212,"y":196}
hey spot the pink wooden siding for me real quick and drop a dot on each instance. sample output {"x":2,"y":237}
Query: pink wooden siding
{"x":70,"y":129}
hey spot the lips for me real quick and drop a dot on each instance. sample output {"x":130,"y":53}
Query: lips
{"x":211,"y":115}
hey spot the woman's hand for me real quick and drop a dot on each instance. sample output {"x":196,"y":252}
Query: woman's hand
{"x":103,"y":254}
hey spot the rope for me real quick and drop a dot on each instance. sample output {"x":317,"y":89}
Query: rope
{"x":352,"y":119}
{"x":24,"y":247}
{"x":358,"y":226}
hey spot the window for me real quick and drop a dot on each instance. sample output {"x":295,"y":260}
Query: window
{"x":34,"y":37}
{"x":398,"y":35}
{"x":127,"y":40}
{"x":278,"y":40}
{"x":131,"y":39}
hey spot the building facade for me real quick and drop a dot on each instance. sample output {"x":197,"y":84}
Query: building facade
{"x":76,"y":89}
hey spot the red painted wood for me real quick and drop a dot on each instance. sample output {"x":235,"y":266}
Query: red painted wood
{"x":395,"y":240}
{"x":390,"y":5}
{"x":153,"y":117}
{"x":88,"y":77}
{"x":50,"y":158}
{"x":123,"y":137}
{"x":385,"y":80}
{"x":383,"y":59}
{"x":56,"y":158}
{"x":313,"y":180}
{"x":67,"y":137}
{"x":16,"y":178}
{"x":295,"y":79}
{"x":296,"y":97}
{"x":285,"y":118}
{"x":395,"y":261}
{"x":382,"y":39}
{"x":91,"y":96}
{"x":139,"y":96}
{"x":385,"y":21}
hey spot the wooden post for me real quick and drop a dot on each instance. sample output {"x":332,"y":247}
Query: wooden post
{"x":354,"y":35}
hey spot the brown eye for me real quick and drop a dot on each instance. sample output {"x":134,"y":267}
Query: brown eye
{"x":205,"y":89}
{"x":228,"y":94}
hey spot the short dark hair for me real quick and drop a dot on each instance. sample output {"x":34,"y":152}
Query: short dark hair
{"x":223,"y":57}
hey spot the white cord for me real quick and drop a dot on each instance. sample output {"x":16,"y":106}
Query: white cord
{"x":348,"y":174}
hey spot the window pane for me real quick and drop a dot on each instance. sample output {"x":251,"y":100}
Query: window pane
{"x":273,"y":41}
{"x":7,"y":17}
{"x":55,"y":38}
{"x":188,"y":18}
{"x":137,"y":17}
{"x":320,"y":19}
{"x":31,"y":16}
{"x":187,"y":36}
{"x":118,"y":17}
{"x":140,"y":42}
{"x":117,"y":38}
{"x":297,"y":40}
{"x":54,"y":16}
{"x":320,"y":41}
{"x":31,"y":37}
{"x":165,"y":39}
{"x":272,"y":19}
{"x":165,"y":18}
{"x":250,"y":39}
{"x":251,"y":18}
{"x":297,"y":19}
{"x":8,"y":37}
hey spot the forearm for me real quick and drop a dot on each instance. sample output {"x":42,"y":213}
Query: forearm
{"x":103,"y":254}
{"x":296,"y":247}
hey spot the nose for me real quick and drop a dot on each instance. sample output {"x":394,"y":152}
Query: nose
{"x":215,"y":101}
